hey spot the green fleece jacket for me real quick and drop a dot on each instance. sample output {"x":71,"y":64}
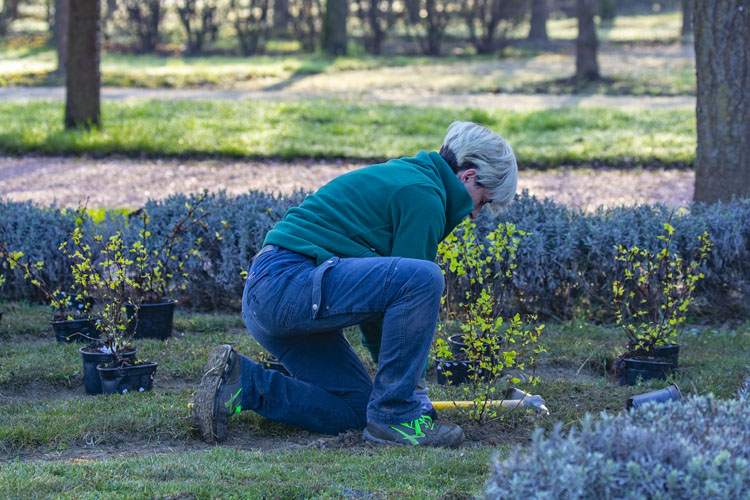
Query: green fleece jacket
{"x":402,"y":208}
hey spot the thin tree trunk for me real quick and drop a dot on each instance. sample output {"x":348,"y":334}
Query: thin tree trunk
{"x":281,"y":15}
{"x":62,"y":17}
{"x":722,"y":63}
{"x":83,"y":78}
{"x":687,"y":18}
{"x":539,"y":16}
{"x":587,"y":44}
{"x":334,"y":27}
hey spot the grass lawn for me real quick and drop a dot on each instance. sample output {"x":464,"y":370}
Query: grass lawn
{"x":336,"y":128}
{"x":146,"y":445}
{"x":664,"y":69}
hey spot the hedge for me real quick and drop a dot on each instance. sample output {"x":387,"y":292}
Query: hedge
{"x":564,"y":267}
{"x":677,"y":451}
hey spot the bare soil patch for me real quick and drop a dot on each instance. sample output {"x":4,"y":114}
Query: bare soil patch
{"x":128,"y":183}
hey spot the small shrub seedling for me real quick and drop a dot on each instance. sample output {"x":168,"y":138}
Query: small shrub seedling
{"x":481,"y":268}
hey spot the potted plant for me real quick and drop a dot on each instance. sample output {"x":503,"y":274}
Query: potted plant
{"x":652,"y":292}
{"x":157,"y":272}
{"x":482,"y":351}
{"x":102,"y":269}
{"x":71,"y":319}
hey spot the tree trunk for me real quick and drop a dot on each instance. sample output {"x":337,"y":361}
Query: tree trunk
{"x":587,"y":66}
{"x":83,"y":78}
{"x":722,"y":63}
{"x":334,"y":27}
{"x":8,"y":13}
{"x":539,"y":15}
{"x":62,"y":17}
{"x":412,"y":10}
{"x":281,"y":16}
{"x":687,"y":18}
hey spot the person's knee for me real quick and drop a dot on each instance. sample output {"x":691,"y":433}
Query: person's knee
{"x":429,"y":277}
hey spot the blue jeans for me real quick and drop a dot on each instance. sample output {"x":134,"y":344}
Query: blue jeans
{"x":297,"y":310}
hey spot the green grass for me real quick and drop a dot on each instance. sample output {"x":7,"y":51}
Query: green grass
{"x":232,"y":474}
{"x":44,"y":412}
{"x":317,"y":128}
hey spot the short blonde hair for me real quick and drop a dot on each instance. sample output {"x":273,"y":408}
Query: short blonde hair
{"x":468,"y":145}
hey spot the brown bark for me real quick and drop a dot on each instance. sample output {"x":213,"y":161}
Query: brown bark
{"x":587,"y":44}
{"x":83,"y":78}
{"x":539,"y":16}
{"x":62,"y":17}
{"x":722,"y":62}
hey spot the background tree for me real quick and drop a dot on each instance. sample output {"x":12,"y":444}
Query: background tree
{"x":200,"y":20}
{"x":144,"y":22}
{"x":83,"y":78}
{"x":433,"y":19}
{"x":489,"y":20}
{"x":722,"y":63}
{"x":607,"y":11}
{"x":377,"y":18}
{"x":304,"y":17}
{"x":687,"y":18}
{"x":251,"y":21}
{"x":8,"y":13}
{"x":60,"y":32}
{"x":334,"y":27}
{"x":280,"y":15}
{"x":538,"y":22}
{"x":587,"y":44}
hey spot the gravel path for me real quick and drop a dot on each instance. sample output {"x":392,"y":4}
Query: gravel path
{"x":114,"y":182}
{"x":403,"y":96}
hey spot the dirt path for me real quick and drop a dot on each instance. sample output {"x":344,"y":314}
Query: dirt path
{"x":400,"y":96}
{"x":113,"y":182}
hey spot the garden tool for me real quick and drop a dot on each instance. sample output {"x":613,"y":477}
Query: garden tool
{"x":513,"y":398}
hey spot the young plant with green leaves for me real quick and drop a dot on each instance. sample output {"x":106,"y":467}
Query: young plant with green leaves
{"x":157,"y":267}
{"x":653,"y":289}
{"x":480,"y":268}
{"x":66,"y":305}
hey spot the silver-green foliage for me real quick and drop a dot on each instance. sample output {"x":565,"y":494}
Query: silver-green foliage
{"x":698,"y":449}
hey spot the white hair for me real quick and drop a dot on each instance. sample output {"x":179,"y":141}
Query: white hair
{"x":468,"y":145}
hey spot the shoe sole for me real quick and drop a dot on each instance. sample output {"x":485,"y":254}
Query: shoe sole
{"x":366,"y":436}
{"x":205,"y":396}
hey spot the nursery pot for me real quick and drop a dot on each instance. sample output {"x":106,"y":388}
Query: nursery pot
{"x":646,"y":369}
{"x":670,"y":393}
{"x":75,"y":330}
{"x":153,"y":321}
{"x":91,"y":360}
{"x":275,"y":365}
{"x":72,"y":303}
{"x":458,"y":346}
{"x":668,"y":353}
{"x":122,"y":379}
{"x":456,"y":372}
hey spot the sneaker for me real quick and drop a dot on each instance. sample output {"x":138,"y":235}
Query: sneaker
{"x":421,"y":432}
{"x":219,"y":394}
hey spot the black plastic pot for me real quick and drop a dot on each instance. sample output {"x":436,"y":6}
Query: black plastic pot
{"x":91,"y":360}
{"x":646,"y":369}
{"x":275,"y":365}
{"x":670,"y":393}
{"x":451,"y":372}
{"x":458,"y":346}
{"x":72,"y":303}
{"x":668,"y":352}
{"x":122,"y":379}
{"x":75,"y":330}
{"x":154,"y":321}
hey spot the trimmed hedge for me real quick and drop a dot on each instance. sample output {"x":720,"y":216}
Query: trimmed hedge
{"x":676,"y":451}
{"x":564,"y":266}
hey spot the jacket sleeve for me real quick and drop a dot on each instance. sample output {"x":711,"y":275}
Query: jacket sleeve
{"x":418,"y":217}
